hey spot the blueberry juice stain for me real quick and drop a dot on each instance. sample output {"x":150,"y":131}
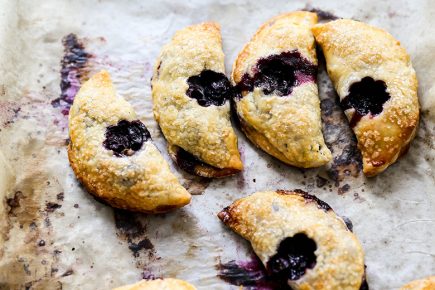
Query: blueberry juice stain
{"x":125,"y":138}
{"x":367,"y":97}
{"x":279,"y":74}
{"x":210,"y":88}
{"x":74,"y":63}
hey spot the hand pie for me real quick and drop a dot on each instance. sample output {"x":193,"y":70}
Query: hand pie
{"x":278,"y":104}
{"x":423,"y":284}
{"x":159,"y":284}
{"x":191,"y":102}
{"x":299,"y":239}
{"x":112,"y":155}
{"x":377,"y":86}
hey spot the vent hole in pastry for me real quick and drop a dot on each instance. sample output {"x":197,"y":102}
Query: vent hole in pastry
{"x":295,"y":255}
{"x":210,"y":88}
{"x":279,"y":74}
{"x":366,"y":97}
{"x":125,"y":138}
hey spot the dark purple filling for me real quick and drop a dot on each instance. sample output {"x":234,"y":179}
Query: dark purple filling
{"x":366,"y":97}
{"x":295,"y":255}
{"x":187,"y":161}
{"x":126,"y":137}
{"x":210,"y":88}
{"x":279,"y":74}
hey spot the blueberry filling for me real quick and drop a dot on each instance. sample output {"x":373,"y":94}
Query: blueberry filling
{"x":366,"y":97}
{"x":279,"y":74}
{"x":187,"y":161}
{"x":295,"y":255}
{"x":209,"y":88}
{"x":126,"y":137}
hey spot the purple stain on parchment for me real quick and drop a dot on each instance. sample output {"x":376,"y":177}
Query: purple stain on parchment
{"x":73,"y":69}
{"x":250,"y":273}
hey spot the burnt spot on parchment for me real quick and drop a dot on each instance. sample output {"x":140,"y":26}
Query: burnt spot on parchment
{"x":321,"y":14}
{"x":32,"y":217}
{"x":340,"y":139}
{"x":343,"y":189}
{"x":73,"y":71}
{"x":14,"y":202}
{"x":51,"y":206}
{"x":131,"y":228}
{"x":28,"y":207}
{"x":9,"y":112}
{"x":196,"y":185}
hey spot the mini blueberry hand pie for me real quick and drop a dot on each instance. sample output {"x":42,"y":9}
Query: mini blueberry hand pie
{"x":277,"y":101}
{"x":423,"y":284}
{"x":159,"y":284}
{"x":112,"y":155}
{"x":377,"y":86}
{"x":299,"y":239}
{"x":191,"y":102}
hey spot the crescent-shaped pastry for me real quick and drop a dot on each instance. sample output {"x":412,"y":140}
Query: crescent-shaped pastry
{"x":112,"y":155}
{"x":278,"y":104}
{"x":159,"y":284}
{"x":299,"y":239}
{"x":191,"y":102}
{"x":423,"y":284}
{"x":377,"y":86}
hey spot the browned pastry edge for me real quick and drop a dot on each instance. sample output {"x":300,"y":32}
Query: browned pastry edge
{"x":226,"y":217}
{"x":193,"y":165}
{"x":113,"y":202}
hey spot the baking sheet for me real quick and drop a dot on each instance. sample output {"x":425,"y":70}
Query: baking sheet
{"x":56,"y":236}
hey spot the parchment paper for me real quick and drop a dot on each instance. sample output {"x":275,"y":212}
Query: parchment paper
{"x":56,"y":236}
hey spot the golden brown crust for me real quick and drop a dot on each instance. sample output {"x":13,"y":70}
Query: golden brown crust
{"x":267,"y":218}
{"x":141,"y":182}
{"x":423,"y":284}
{"x":288,"y":128}
{"x":205,"y":132}
{"x":354,"y":50}
{"x":159,"y":284}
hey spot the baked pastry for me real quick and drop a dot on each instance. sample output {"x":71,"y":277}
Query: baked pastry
{"x":159,"y":284}
{"x":112,"y":155}
{"x":423,"y":284}
{"x":299,"y":239}
{"x":278,"y":104}
{"x":377,"y":86}
{"x":191,"y":102}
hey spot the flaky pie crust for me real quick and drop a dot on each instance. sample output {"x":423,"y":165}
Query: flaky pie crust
{"x":354,"y":50}
{"x":141,"y":182}
{"x":204,"y":132}
{"x":267,"y":218}
{"x":289,"y":127}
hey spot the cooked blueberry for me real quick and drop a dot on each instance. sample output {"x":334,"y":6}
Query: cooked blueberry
{"x":126,"y":137}
{"x":209,"y":88}
{"x":279,"y":74}
{"x":294,"y":256}
{"x":366,"y":97}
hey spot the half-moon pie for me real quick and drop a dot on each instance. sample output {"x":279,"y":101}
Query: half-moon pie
{"x":299,"y":239}
{"x":191,"y":102}
{"x":377,"y":86}
{"x":112,"y":154}
{"x":277,"y":102}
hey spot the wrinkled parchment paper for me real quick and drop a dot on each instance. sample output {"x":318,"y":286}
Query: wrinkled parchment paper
{"x":56,"y":236}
